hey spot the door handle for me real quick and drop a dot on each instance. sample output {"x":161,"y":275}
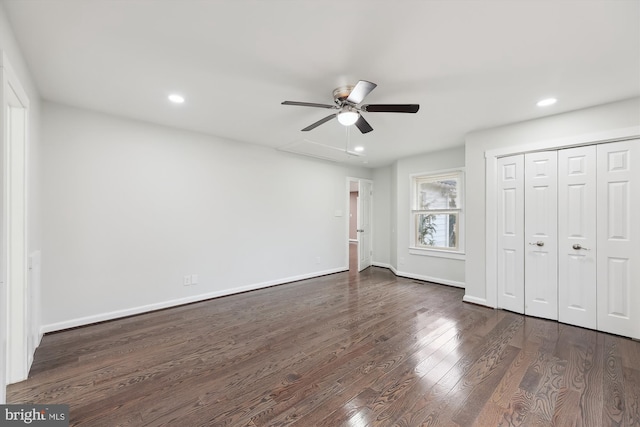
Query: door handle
{"x":360,"y":231}
{"x":577,"y":247}
{"x":538,"y":243}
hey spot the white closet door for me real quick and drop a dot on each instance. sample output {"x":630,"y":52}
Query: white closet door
{"x":511,"y":233}
{"x":619,"y":238}
{"x":577,"y":236}
{"x":541,"y":234}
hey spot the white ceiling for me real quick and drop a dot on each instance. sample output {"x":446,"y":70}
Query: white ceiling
{"x":469,"y":64}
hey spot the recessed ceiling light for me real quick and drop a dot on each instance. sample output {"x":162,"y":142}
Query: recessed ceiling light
{"x":546,"y":102}
{"x":176,"y":99}
{"x":359,"y":148}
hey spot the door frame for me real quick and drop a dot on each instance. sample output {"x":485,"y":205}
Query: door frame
{"x":491,"y":170}
{"x":15,"y":330}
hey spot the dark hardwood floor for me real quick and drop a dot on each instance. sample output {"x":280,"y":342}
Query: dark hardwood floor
{"x":346,"y":349}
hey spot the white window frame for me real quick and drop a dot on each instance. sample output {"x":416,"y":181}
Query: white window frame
{"x":414,"y":249}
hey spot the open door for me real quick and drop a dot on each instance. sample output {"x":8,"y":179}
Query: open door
{"x":365,"y":194}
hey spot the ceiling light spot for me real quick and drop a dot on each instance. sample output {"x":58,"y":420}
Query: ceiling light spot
{"x":546,"y":102}
{"x":359,"y":149}
{"x":176,"y":99}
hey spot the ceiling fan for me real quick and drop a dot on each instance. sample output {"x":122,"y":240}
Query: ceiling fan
{"x":346,"y":100}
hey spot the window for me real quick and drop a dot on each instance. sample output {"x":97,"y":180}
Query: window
{"x":437,"y":211}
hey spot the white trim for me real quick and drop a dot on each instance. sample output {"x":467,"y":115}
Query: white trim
{"x":382,"y":265}
{"x":438,"y":253}
{"x":82,"y":321}
{"x":445,"y":253}
{"x":437,"y":172}
{"x":476,"y":300}
{"x":393,"y":270}
{"x":12,"y":79}
{"x":631,"y":132}
{"x":491,"y":170}
{"x":17,"y":355}
{"x":429,"y":279}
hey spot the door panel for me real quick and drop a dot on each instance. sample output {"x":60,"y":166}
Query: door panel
{"x":365,"y":193}
{"x":541,"y":235}
{"x":618,"y":278}
{"x":577,"y":229}
{"x":511,"y":233}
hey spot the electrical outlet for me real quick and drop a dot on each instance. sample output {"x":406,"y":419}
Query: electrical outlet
{"x":194,"y":279}
{"x":317,"y":260}
{"x":187,"y":280}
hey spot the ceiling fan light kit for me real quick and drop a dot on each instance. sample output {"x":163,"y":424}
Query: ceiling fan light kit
{"x":348,"y":116}
{"x":346,"y":99}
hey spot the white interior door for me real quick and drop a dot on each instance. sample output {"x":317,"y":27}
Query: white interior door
{"x":511,"y":233}
{"x":365,"y":194}
{"x":618,"y":257}
{"x":577,"y":295}
{"x":541,"y":235}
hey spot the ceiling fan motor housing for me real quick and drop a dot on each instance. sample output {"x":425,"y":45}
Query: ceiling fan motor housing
{"x":342,"y":93}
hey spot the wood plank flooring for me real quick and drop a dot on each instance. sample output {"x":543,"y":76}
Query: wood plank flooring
{"x":341,"y":350}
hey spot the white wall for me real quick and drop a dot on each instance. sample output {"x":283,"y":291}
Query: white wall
{"x":393,"y":216}
{"x":11,"y":51}
{"x":382,"y":217}
{"x":586,"y":122}
{"x":132,"y":207}
{"x":424,"y":267}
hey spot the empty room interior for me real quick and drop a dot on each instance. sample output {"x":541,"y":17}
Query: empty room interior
{"x":321,"y":213}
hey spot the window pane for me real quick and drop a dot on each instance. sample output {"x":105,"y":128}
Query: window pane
{"x":437,"y":193}
{"x":437,"y":230}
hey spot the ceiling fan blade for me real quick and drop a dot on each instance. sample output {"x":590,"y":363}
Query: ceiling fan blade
{"x":363,"y":125}
{"x":360,"y":91}
{"x":319,"y":122}
{"x":309,"y":104}
{"x":391,"y":108}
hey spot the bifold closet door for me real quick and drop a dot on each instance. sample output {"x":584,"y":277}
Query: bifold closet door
{"x":618,"y":257}
{"x":541,"y":234}
{"x":577,"y":236}
{"x":511,"y":233}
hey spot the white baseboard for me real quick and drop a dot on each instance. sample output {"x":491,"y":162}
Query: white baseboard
{"x":419,"y":276}
{"x":382,"y":265}
{"x":82,"y":321}
{"x":429,"y":279}
{"x":476,"y":300}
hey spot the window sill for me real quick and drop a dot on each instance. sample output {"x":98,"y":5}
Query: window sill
{"x":439,"y":253}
